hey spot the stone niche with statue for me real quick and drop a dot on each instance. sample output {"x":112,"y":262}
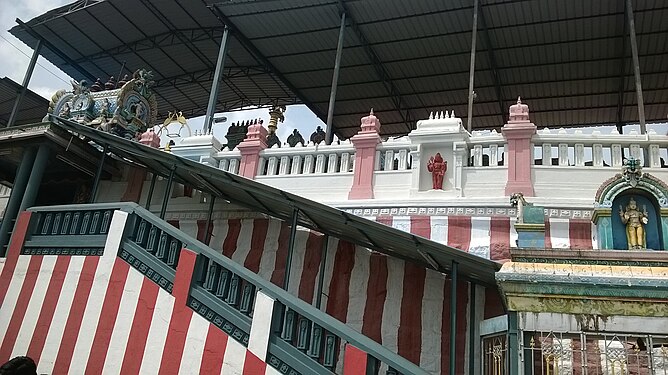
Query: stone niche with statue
{"x":126,"y":108}
{"x":631,"y":210}
{"x":440,"y":155}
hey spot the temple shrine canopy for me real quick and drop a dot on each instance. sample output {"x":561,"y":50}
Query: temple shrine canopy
{"x":571,"y":60}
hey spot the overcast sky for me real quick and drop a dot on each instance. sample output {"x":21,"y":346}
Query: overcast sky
{"x":47,"y":79}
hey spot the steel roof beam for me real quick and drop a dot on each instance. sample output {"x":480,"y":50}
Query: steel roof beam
{"x":378,"y":67}
{"x":492,"y":63}
{"x":636,"y":68}
{"x":167,"y":39}
{"x":56,"y":51}
{"x":622,"y":75}
{"x":250,"y":47}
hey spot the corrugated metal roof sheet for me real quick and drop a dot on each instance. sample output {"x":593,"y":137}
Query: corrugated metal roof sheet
{"x":32,"y":109}
{"x":564,"y":58}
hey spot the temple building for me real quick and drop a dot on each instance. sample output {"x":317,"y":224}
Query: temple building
{"x":132,"y":242}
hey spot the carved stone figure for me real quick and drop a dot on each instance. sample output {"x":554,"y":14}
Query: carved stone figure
{"x":437,"y":166}
{"x":295,"y":138}
{"x":318,"y":136}
{"x":65,"y":112}
{"x":635,"y":221}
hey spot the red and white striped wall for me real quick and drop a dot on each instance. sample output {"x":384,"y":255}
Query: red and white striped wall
{"x":400,"y":305}
{"x":95,"y":315}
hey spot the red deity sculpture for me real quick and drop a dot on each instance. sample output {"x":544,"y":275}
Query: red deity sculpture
{"x":437,"y":166}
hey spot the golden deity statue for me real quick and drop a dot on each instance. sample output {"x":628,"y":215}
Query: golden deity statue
{"x":635,"y":221}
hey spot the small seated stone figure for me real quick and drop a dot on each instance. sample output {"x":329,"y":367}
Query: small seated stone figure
{"x":110,"y":84}
{"x":97,"y":86}
{"x":295,"y":138}
{"x":635,"y":222}
{"x":318,"y":136}
{"x":123,"y":81}
{"x":65,"y":112}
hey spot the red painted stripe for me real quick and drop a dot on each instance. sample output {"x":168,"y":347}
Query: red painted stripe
{"x":548,"y":238}
{"x":141,"y":323}
{"x":462,"y":329}
{"x":48,"y":307}
{"x":278,"y":275}
{"x":253,"y":365}
{"x":459,"y":232}
{"x":230,"y":243}
{"x":107,"y":320}
{"x":312,"y":259}
{"x":375,"y":297}
{"x":354,"y":361}
{"x":13,"y":252}
{"x":75,"y":317}
{"x":214,"y":351}
{"x":20,"y":309}
{"x":579,"y":232}
{"x":344,"y":260}
{"x":181,"y":314}
{"x":387,"y":220}
{"x":500,"y":238}
{"x":260,"y":228}
{"x":410,"y":323}
{"x":201,"y":230}
{"x":174,"y":223}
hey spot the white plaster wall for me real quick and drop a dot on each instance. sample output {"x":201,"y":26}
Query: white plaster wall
{"x":392,"y":185}
{"x":323,"y":187}
{"x":577,"y":185}
{"x":484,"y":182}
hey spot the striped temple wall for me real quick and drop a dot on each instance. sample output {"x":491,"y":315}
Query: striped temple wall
{"x":99,"y":311}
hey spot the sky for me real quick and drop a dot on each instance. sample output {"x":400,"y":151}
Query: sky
{"x":47,"y":79}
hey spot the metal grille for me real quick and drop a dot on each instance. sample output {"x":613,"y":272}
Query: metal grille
{"x":495,"y":349}
{"x":555,"y":353}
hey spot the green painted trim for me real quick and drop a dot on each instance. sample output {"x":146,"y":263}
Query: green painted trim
{"x":529,"y":227}
{"x":150,"y":268}
{"x":73,"y":251}
{"x":216,"y":319}
{"x":93,"y":240}
{"x":584,"y":290}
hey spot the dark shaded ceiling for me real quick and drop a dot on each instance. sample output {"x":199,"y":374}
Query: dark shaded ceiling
{"x":31,"y":110}
{"x":570,"y":59}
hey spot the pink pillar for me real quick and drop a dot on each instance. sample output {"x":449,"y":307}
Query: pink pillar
{"x":255,"y":141}
{"x":518,"y":132}
{"x":365,"y":143}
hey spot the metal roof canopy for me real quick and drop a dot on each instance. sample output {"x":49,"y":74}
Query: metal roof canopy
{"x":280,"y":204}
{"x":32,"y":109}
{"x":569,"y":59}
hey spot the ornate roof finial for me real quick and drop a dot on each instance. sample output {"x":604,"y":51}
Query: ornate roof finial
{"x":371,"y":112}
{"x":519,"y":113}
{"x":519,"y":100}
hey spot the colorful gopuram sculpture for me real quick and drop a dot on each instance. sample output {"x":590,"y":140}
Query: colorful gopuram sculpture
{"x":125,"y":108}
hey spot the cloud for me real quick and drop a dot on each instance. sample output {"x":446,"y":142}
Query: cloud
{"x":15,"y":55}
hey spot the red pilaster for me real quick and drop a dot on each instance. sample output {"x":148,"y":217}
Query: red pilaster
{"x":518,"y":132}
{"x":256,"y":141}
{"x":365,"y":143}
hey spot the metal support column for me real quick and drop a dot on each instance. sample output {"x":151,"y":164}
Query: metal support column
{"x":513,"y":343}
{"x":291,"y":245}
{"x":472,"y":67}
{"x":19,"y":187}
{"x":473,"y":339}
{"x":149,"y":197}
{"x":35,"y":180}
{"x":453,"y":317}
{"x":636,"y":66}
{"x":168,"y":192}
{"x":335,"y":81}
{"x":217,"y":75}
{"x":98,"y":174}
{"x":208,"y":219}
{"x":26,"y":81}
{"x":321,"y":274}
